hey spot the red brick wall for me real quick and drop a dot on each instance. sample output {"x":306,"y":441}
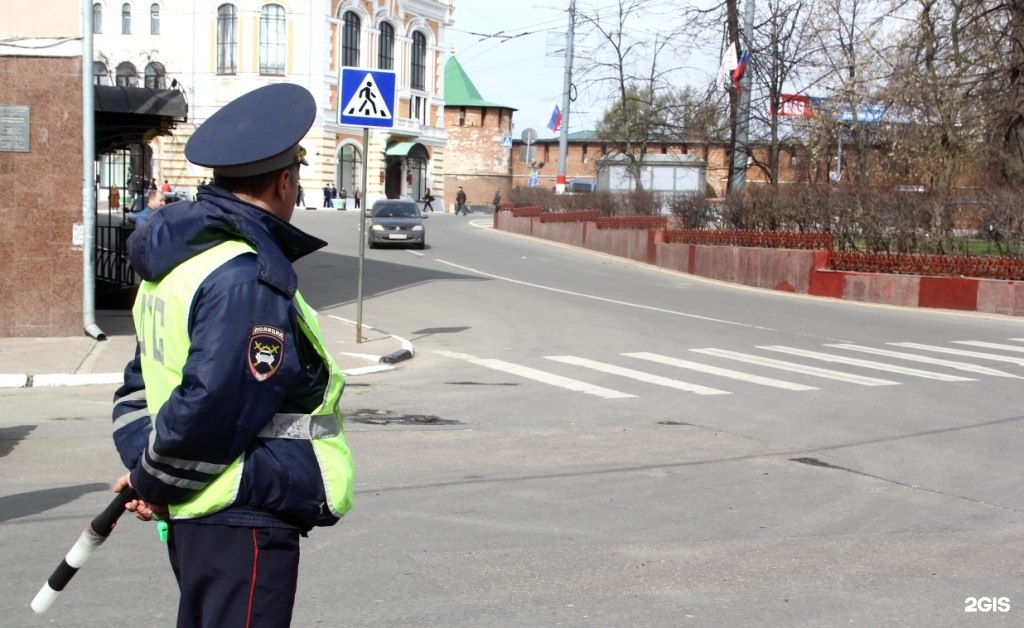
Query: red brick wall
{"x":474,"y":155}
{"x":41,"y":201}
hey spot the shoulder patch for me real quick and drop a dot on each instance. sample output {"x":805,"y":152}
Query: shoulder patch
{"x":266,"y":350}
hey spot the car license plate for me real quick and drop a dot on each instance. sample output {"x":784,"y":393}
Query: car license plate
{"x":397,"y":236}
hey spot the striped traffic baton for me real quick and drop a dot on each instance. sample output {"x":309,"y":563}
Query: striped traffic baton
{"x":91,"y":538}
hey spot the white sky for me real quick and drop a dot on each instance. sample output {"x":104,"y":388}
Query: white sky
{"x":514,"y":72}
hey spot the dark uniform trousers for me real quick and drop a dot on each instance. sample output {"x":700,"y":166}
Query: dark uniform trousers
{"x":234,"y":577}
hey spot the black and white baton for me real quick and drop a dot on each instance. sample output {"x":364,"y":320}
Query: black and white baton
{"x":91,"y":538}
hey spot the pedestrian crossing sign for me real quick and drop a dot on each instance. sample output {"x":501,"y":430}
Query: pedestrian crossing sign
{"x":367,"y":98}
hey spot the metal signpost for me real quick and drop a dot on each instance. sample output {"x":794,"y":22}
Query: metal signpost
{"x":366,"y":99}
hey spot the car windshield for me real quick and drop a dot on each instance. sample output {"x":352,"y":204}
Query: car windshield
{"x":395,"y":211}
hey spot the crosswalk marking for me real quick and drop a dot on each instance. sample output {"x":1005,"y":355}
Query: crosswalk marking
{"x":868,"y":364}
{"x":715,"y":370}
{"x":551,"y":378}
{"x":989,"y":345}
{"x":963,"y":352}
{"x":637,"y":375}
{"x":797,"y":368}
{"x":913,"y":357}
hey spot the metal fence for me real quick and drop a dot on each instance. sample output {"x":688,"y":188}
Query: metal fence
{"x":112,"y":265}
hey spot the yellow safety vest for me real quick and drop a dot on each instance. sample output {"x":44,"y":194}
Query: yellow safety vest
{"x":161,"y":314}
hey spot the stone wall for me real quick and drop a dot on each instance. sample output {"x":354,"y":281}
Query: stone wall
{"x":475,"y":156}
{"x":41,"y":200}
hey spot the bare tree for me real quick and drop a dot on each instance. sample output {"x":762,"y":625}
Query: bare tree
{"x":637,"y":67}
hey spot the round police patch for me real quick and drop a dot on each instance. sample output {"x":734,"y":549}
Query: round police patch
{"x":266,"y":351}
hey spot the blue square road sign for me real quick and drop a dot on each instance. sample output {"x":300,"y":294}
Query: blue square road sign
{"x":367,"y":98}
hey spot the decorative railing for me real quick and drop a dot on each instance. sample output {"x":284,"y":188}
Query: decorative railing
{"x":582,"y":215}
{"x":982,"y":266}
{"x":112,"y":263}
{"x":759,"y":239}
{"x":632,"y":222}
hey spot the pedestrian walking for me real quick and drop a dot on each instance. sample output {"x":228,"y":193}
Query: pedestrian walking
{"x":327,"y":195}
{"x":229,"y":424}
{"x":356,"y":195}
{"x":428,"y":199}
{"x":460,"y":202}
{"x":497,"y":200}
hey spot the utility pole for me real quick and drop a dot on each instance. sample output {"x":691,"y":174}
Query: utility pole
{"x":563,"y":138}
{"x":738,"y":170}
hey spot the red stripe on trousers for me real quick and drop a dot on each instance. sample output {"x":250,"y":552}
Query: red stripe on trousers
{"x":252,"y":588}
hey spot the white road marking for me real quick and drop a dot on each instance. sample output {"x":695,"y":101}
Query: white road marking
{"x":641,"y":376}
{"x":541,"y":376}
{"x":714,"y":370}
{"x":797,"y":368}
{"x":913,"y":357}
{"x":603,"y":299}
{"x":867,"y":364}
{"x":989,"y":345}
{"x":963,"y":352}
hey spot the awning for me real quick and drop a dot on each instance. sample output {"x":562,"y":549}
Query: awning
{"x":412,"y":150}
{"x":131,"y":115}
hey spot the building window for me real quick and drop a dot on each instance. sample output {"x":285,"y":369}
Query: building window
{"x":272,"y":39}
{"x":462,"y":116}
{"x":227,"y":39}
{"x":351,"y":167}
{"x":350,"y":40}
{"x":97,"y":18}
{"x":126,"y":19}
{"x":154,"y":19}
{"x":127,"y":75}
{"x":419,"y":60}
{"x":156,"y":76}
{"x":418,"y":109}
{"x":100,"y":75}
{"x":386,"y":47}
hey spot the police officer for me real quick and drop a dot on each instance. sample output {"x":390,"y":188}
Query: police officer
{"x":228,"y":418}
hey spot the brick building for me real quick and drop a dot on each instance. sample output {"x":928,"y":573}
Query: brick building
{"x":585,"y":149}
{"x":476,"y":130}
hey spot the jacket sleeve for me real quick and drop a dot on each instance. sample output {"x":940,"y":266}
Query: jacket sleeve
{"x":221,"y":405}
{"x":131,"y":417}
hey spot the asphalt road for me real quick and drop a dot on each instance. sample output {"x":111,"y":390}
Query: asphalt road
{"x":584,"y":441}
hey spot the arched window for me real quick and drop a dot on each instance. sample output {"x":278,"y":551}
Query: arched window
{"x":350,"y":40}
{"x":127,"y":75}
{"x":418,"y":61}
{"x":351,"y":164}
{"x":154,"y":19}
{"x":97,"y":18}
{"x":227,"y":39}
{"x":100,"y":74}
{"x":126,"y":19}
{"x":386,"y":47}
{"x":156,"y":76}
{"x":272,"y":39}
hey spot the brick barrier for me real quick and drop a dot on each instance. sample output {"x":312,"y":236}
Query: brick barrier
{"x":789,"y":270}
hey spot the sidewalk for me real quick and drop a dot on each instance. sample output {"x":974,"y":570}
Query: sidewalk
{"x":82,"y":360}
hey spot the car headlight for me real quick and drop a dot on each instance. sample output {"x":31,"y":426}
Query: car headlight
{"x":376,"y":228}
{"x":418,"y":228}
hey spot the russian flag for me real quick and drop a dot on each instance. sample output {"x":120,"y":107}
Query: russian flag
{"x":737,"y":73}
{"x":555,"y":121}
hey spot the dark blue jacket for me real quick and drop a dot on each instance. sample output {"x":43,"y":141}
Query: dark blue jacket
{"x":214,"y":415}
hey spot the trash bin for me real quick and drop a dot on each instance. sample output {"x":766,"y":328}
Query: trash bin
{"x":339,"y":203}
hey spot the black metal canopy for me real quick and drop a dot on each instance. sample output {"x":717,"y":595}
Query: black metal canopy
{"x":135,"y":115}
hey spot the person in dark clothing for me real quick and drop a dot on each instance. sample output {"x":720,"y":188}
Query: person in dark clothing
{"x":428,"y":199}
{"x":460,"y":202}
{"x":228,"y":419}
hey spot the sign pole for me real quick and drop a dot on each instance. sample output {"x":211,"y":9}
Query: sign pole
{"x":365,"y":98}
{"x":362,"y":237}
